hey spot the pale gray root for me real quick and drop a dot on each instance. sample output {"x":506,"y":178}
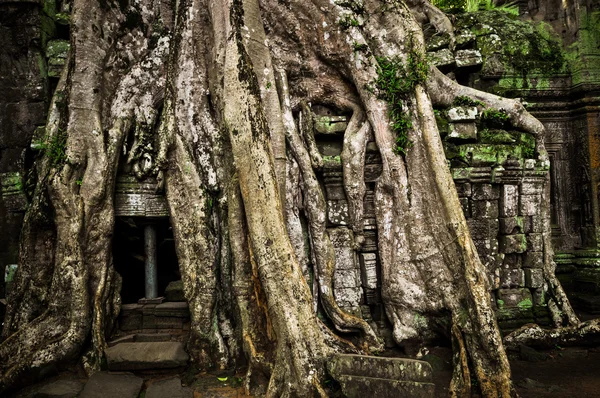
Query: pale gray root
{"x":306,"y":123}
{"x":301,"y":349}
{"x":424,"y":10}
{"x":257,"y":332}
{"x":443,"y":91}
{"x":354,"y":149}
{"x":584,"y":333}
{"x":322,"y":248}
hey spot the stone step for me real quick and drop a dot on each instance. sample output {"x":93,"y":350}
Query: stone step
{"x":107,"y":385}
{"x":369,"y":376}
{"x":361,"y":387}
{"x":170,"y":388}
{"x":146,"y":356}
{"x":380,"y":367}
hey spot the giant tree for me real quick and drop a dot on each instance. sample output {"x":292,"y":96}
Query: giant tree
{"x":221,"y":91}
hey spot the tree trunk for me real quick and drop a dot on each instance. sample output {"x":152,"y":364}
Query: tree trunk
{"x":228,"y":84}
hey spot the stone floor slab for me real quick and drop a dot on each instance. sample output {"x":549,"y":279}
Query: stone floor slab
{"x":170,"y":388}
{"x":146,"y":355}
{"x":107,"y":385}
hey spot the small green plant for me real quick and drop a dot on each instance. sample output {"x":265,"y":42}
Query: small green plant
{"x":348,"y":21}
{"x":460,"y":6}
{"x":360,"y":47}
{"x":494,"y":118}
{"x":268,"y":85}
{"x":55,"y":148}
{"x":463,"y":100}
{"x":395,"y":82}
{"x":79,"y":182}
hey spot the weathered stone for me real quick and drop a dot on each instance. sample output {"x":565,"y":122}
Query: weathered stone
{"x":177,"y":309}
{"x":512,"y":278}
{"x":535,"y":242}
{"x":513,"y":243}
{"x":462,"y":114}
{"x":105,"y":385}
{"x":466,"y":206}
{"x":346,"y":278}
{"x":379,"y":368}
{"x":486,"y":248}
{"x":466,"y":58}
{"x":509,"y":200}
{"x":534,"y":278}
{"x":368,"y":269}
{"x":170,"y":388}
{"x":330,"y":124}
{"x":463,"y":189}
{"x":462,"y":132}
{"x":438,"y":41}
{"x":514,"y":298}
{"x":483,"y":228}
{"x":59,"y":389}
{"x":464,"y":38}
{"x":174,"y":291}
{"x":534,"y":260}
{"x":143,"y":356}
{"x":337,"y":212}
{"x":441,"y":58}
{"x":511,"y":225}
{"x":532,"y":187}
{"x":484,"y":208}
{"x":530,"y":205}
{"x":485,"y":192}
{"x":348,"y":297}
{"x":512,"y":260}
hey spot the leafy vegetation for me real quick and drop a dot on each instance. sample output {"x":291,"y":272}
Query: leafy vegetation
{"x":395,"y":82}
{"x":55,"y":148}
{"x":460,"y":6}
{"x":463,"y":100}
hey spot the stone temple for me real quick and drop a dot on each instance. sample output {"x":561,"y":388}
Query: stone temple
{"x":501,"y":185}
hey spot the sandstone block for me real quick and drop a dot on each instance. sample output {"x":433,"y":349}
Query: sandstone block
{"x":143,"y":356}
{"x":513,"y":243}
{"x":509,"y":200}
{"x":484,"y":208}
{"x":105,"y":385}
{"x":534,"y":278}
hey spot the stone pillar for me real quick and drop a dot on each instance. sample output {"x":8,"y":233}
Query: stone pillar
{"x":150,"y":264}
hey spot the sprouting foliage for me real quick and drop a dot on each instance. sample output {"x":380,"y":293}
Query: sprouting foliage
{"x":460,"y":6}
{"x":494,"y":118}
{"x":55,"y":148}
{"x":395,"y":82}
{"x":463,"y":100}
{"x":348,"y":21}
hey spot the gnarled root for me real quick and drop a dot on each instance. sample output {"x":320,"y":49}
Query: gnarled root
{"x":585,"y":333}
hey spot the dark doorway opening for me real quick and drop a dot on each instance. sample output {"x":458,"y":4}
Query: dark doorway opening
{"x":129,"y":257}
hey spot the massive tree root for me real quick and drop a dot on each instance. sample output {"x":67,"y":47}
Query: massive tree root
{"x":227,"y":85}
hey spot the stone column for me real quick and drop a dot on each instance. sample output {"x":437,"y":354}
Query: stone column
{"x":150,"y":265}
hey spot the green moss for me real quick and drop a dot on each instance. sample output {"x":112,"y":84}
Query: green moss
{"x":494,"y":119}
{"x":348,"y":21}
{"x":525,"y":304}
{"x":463,"y":100}
{"x":55,"y":148}
{"x":500,"y":303}
{"x":495,"y":136}
{"x":395,"y":82}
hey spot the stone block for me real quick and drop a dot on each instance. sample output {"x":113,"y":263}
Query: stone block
{"x":512,"y":261}
{"x":403,"y":369}
{"x":463,"y":189}
{"x":346,"y":278}
{"x":368,"y":269}
{"x":173,"y":309}
{"x":330,"y":124}
{"x":168,"y":322}
{"x":539,"y":297}
{"x":462,"y":132}
{"x":483,"y":228}
{"x":60,"y":389}
{"x":348,"y":297}
{"x":485,"y":192}
{"x":511,"y":225}
{"x":130,"y":322}
{"x":106,"y":385}
{"x":462,"y":114}
{"x":509,"y":200}
{"x":438,"y":41}
{"x":149,"y":321}
{"x":165,"y":388}
{"x":534,"y":278}
{"x":514,"y":298}
{"x":511,"y":278}
{"x":174,"y":291}
{"x":486,"y":248}
{"x":342,"y":240}
{"x":534,"y":260}
{"x":441,"y":58}
{"x":143,"y":356}
{"x":464,"y":38}
{"x":372,"y":172}
{"x":484,"y":209}
{"x":532,"y":188}
{"x":337,"y":212}
{"x":513,"y":243}
{"x":535,"y":242}
{"x":530,"y":205}
{"x":465,"y":58}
